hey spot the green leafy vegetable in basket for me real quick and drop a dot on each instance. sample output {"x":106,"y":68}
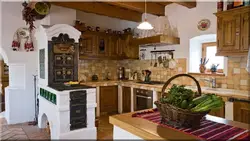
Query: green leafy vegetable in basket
{"x":183,"y":98}
{"x":178,"y":96}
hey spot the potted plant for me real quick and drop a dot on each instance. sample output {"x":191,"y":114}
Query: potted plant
{"x":214,"y":68}
{"x":203,"y":65}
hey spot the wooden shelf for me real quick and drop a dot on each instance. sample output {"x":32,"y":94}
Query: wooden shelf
{"x":207,"y":74}
{"x":156,"y":40}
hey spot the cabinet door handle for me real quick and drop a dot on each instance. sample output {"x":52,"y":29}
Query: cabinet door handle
{"x":143,"y":97}
{"x":242,"y":42}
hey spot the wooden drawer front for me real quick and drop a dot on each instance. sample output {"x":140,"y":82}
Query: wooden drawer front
{"x":242,"y":112}
{"x":109,"y":99}
{"x":126,"y":99}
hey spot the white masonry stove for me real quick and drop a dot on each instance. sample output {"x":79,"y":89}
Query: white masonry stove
{"x":69,"y":110}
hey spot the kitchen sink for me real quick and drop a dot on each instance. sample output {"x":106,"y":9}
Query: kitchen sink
{"x":152,"y":82}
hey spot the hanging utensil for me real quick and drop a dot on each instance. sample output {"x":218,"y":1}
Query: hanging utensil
{"x":151,"y":63}
{"x":160,"y":59}
{"x":166,"y":63}
{"x":155,"y":65}
{"x":172,"y":62}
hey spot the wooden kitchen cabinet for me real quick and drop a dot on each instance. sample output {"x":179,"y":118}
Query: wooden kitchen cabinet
{"x":218,"y":112}
{"x":100,"y":45}
{"x":241,"y":112}
{"x":113,"y":47}
{"x":87,"y":45}
{"x":233,"y":32}
{"x":245,"y":28}
{"x":108,"y":100}
{"x":126,"y":99}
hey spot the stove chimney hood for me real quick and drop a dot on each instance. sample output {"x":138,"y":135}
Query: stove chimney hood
{"x":158,"y":40}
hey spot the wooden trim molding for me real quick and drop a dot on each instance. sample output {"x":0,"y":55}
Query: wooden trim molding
{"x":204,"y":47}
{"x":204,"y":51}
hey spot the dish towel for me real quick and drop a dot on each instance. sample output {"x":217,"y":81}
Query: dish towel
{"x":248,"y":61}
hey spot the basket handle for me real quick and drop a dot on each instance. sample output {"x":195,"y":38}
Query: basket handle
{"x":179,"y":75}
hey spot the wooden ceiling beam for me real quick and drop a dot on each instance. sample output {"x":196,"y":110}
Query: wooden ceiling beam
{"x":103,"y":9}
{"x":152,"y":7}
{"x":186,"y":4}
{"x":164,"y":3}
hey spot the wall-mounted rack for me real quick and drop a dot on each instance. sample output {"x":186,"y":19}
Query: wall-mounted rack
{"x":170,"y":52}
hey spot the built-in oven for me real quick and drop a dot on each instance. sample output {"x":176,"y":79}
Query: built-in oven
{"x":143,"y":99}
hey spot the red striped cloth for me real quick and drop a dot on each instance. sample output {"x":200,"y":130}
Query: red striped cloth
{"x":208,"y":130}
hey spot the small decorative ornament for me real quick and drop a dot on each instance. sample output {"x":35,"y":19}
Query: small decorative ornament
{"x":22,"y":35}
{"x":203,"y":24}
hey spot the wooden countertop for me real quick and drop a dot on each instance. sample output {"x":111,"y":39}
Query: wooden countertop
{"x":150,"y":131}
{"x":226,"y":93}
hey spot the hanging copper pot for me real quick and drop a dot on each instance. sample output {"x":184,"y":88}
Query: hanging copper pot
{"x":39,"y":9}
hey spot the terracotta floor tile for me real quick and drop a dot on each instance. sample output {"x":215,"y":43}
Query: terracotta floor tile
{"x":19,"y":137}
{"x":7,"y":136}
{"x":28,"y":132}
{"x":5,"y":133}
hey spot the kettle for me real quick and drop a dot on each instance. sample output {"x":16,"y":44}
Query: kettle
{"x":94,"y":77}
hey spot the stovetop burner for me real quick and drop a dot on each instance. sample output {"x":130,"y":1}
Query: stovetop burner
{"x":62,"y":87}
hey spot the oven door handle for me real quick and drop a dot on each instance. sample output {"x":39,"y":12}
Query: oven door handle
{"x":144,"y":97}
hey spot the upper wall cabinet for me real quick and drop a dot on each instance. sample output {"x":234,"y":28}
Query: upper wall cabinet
{"x":233,"y":32}
{"x":99,"y":45}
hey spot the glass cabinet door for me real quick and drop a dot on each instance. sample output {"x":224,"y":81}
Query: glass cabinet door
{"x":102,"y":46}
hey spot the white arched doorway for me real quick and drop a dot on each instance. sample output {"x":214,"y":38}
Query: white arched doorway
{"x":45,"y":124}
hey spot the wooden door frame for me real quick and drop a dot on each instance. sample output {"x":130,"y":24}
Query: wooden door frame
{"x":204,"y":51}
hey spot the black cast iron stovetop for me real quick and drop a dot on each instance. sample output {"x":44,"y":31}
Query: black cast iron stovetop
{"x":62,"y":87}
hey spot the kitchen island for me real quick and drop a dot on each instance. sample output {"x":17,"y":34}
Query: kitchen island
{"x":128,"y":127}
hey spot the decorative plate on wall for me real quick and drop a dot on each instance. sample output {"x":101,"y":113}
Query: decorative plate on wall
{"x":204,"y":24}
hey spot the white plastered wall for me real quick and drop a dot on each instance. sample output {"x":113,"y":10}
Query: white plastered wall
{"x":19,"y":97}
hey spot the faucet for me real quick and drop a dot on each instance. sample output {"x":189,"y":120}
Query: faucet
{"x":212,"y":80}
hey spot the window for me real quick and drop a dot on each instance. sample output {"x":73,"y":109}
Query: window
{"x":209,"y":51}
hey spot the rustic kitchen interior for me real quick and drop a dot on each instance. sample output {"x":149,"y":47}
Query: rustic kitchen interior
{"x":107,"y":70}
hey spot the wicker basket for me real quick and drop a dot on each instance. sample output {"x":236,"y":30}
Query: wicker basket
{"x":176,"y":116}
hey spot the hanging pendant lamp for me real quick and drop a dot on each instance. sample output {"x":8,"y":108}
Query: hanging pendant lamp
{"x":145,"y":25}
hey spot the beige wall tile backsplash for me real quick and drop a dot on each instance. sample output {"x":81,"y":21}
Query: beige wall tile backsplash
{"x":237,"y":78}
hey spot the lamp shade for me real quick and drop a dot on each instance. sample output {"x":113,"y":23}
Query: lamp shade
{"x":145,"y":26}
